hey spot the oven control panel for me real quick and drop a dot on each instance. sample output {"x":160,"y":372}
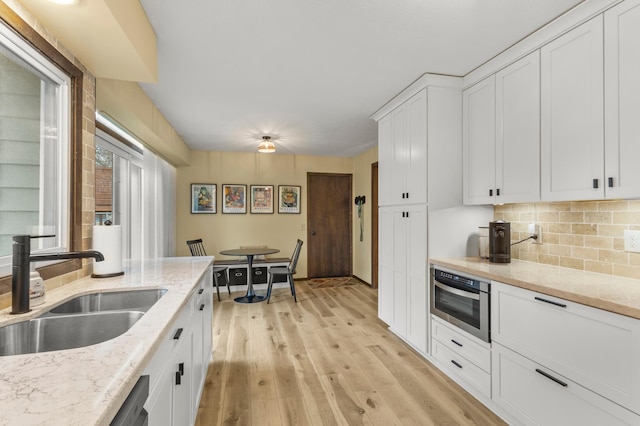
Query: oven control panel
{"x":459,"y":280}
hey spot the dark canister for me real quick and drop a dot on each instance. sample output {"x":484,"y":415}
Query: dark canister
{"x":500,"y":242}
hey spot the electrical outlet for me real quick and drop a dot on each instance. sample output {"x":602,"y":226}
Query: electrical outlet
{"x":535,"y":230}
{"x":632,"y":241}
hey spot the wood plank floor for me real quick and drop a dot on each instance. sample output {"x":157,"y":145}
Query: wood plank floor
{"x":326,"y":360}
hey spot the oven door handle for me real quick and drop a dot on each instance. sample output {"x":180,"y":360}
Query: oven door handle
{"x":456,"y":291}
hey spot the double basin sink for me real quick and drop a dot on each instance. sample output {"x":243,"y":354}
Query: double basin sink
{"x":82,"y":321}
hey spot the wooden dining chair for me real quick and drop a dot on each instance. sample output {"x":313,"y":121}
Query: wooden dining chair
{"x":196,"y":247}
{"x":289,"y":271}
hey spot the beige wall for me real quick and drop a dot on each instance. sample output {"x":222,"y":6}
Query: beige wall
{"x":586,"y":235}
{"x":362,"y":186}
{"x":221,"y":231}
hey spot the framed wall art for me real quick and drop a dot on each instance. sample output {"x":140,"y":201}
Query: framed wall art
{"x":234,"y":199}
{"x":288,"y":199}
{"x":261,"y":199}
{"x":203,"y":198}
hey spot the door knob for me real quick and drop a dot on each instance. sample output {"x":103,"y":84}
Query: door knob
{"x":313,"y":232}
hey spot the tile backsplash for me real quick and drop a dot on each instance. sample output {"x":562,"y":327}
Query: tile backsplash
{"x":585,"y":235}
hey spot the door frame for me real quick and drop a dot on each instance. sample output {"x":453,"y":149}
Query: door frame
{"x":374,"y":225}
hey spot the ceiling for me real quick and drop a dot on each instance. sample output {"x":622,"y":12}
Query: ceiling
{"x":309,"y":73}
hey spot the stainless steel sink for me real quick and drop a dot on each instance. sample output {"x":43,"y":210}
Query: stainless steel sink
{"x":128,"y":300}
{"x":64,"y":332}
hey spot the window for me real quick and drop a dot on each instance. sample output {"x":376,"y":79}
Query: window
{"x":35,"y":127}
{"x":118,"y":189}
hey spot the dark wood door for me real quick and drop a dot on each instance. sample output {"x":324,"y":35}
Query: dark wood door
{"x":329,"y":225}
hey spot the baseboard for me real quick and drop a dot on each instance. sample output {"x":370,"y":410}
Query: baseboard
{"x":361,"y":280}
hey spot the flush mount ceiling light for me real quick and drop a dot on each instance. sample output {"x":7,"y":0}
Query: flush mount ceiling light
{"x":266,"y":146}
{"x":65,"y":2}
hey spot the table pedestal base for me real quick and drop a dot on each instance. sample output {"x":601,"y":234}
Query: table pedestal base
{"x":250,"y":299}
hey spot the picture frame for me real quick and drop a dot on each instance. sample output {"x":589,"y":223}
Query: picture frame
{"x":289,"y":199}
{"x":234,"y":199}
{"x":203,"y":198}
{"x":261,"y":199}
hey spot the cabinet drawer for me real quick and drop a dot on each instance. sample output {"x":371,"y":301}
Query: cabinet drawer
{"x":238,"y":276}
{"x":461,"y":343}
{"x":537,"y":395}
{"x":597,"y":349}
{"x":458,"y":366}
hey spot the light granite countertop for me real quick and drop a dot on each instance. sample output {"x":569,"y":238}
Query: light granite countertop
{"x":609,"y":292}
{"x":87,"y":386}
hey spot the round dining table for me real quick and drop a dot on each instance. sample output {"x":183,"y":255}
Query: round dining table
{"x":249,"y":253}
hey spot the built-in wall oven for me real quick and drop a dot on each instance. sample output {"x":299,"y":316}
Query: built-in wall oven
{"x":461,"y":300}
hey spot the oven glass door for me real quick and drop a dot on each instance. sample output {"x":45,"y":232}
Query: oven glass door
{"x":461,"y":304}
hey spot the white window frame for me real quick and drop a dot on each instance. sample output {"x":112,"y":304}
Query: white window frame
{"x":54,"y":165}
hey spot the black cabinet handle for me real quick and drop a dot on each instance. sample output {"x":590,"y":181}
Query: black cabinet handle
{"x":610,"y":181}
{"x":407,"y":214}
{"x":456,"y":364}
{"x":407,"y":195}
{"x":178,"y":378}
{"x":550,"y":377}
{"x":456,"y":343}
{"x":491,"y":193}
{"x":551,"y":302}
{"x":595,"y":184}
{"x":178,"y":334}
{"x":202,"y":307}
{"x":201,"y":291}
{"x":498,"y":192}
{"x":403,"y":195}
{"x":181,"y":368}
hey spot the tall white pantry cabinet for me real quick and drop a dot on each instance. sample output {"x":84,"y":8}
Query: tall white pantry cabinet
{"x":420,"y":200}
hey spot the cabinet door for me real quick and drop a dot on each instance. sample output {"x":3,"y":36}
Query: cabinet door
{"x":385,"y":265}
{"x":478,"y":142}
{"x":400,"y":291}
{"x":518,"y":131}
{"x":417,"y":166}
{"x":182,"y":377}
{"x":385,"y":161}
{"x":572,"y":120}
{"x":400,"y":165}
{"x":622,"y":100}
{"x":416,"y":258}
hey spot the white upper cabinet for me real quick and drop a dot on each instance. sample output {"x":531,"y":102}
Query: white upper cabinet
{"x":501,"y":135}
{"x":622,"y":100}
{"x":385,"y":161}
{"x":408,"y":142}
{"x":478,"y":142}
{"x":518,"y":131}
{"x":572,"y":120}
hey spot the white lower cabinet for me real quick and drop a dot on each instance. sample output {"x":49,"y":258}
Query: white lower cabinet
{"x":537,"y":395}
{"x":461,"y":356}
{"x":178,"y":369}
{"x":589,"y":355}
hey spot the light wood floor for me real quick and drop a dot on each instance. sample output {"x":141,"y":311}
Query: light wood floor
{"x":326,"y":360}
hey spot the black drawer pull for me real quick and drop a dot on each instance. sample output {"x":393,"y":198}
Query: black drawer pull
{"x":178,"y":378}
{"x":456,"y":343}
{"x":456,"y":364}
{"x":610,"y":180}
{"x":178,"y":334}
{"x":491,"y":193}
{"x":550,"y":377}
{"x":595,"y":184}
{"x":201,"y":291}
{"x":202,"y":307}
{"x":403,"y":195}
{"x":551,"y":302}
{"x":407,"y":195}
{"x":498,"y":192}
{"x":181,"y":368}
